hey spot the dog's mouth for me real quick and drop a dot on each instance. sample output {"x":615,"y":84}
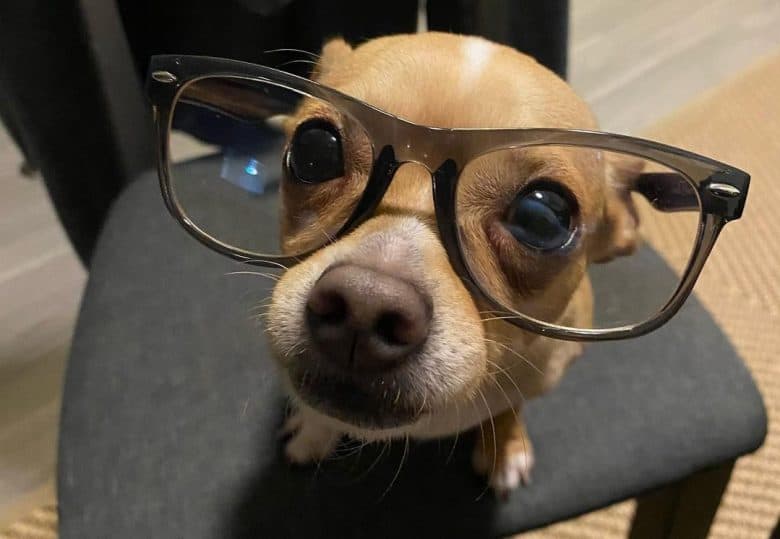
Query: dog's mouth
{"x":375,"y":402}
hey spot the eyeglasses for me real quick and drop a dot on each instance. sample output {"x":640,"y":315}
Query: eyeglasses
{"x":267,"y":167}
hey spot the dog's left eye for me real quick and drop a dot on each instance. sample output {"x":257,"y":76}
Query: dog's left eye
{"x":541,"y":217}
{"x":315,"y":153}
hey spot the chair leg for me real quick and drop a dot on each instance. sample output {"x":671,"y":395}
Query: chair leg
{"x":684,"y":509}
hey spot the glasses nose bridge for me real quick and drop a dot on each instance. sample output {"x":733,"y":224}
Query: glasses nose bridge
{"x":415,"y":163}
{"x":422,"y":154}
{"x":409,"y":188}
{"x":412,"y":143}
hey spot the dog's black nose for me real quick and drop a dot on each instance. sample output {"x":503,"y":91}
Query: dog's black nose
{"x":365,"y":320}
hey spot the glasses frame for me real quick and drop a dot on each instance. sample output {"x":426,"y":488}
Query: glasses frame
{"x":722,"y":189}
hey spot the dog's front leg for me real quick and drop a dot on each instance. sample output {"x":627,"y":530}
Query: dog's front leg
{"x":503,"y":453}
{"x":310,"y":440}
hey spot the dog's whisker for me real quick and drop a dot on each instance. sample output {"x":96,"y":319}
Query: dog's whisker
{"x":516,"y":354}
{"x":318,"y":468}
{"x":498,"y":367}
{"x":356,"y":460}
{"x":495,"y":450}
{"x":294,"y":350}
{"x":298,"y":61}
{"x":457,"y":436}
{"x":494,"y":379}
{"x":516,"y":414}
{"x":352,"y":443}
{"x":256,"y":273}
{"x":343,"y":456}
{"x":345,"y":451}
{"x":260,"y":317}
{"x":398,"y":471}
{"x":473,"y":401}
{"x":512,"y":381}
{"x":508,"y":317}
{"x":376,"y":460}
{"x":335,"y":456}
{"x":325,"y":233}
{"x":268,"y":262}
{"x":308,"y":53}
{"x":422,"y":406}
{"x":260,"y":309}
{"x":303,"y":380}
{"x":505,"y":395}
{"x":509,"y":401}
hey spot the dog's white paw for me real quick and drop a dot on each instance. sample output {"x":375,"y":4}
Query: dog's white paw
{"x":513,"y":464}
{"x":309,"y":440}
{"x":511,"y":472}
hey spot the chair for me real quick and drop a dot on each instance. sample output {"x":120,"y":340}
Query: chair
{"x":171,"y":404}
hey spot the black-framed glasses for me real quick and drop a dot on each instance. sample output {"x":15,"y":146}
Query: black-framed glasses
{"x":267,"y":167}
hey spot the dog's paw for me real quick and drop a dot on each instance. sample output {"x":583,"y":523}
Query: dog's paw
{"x":514,"y":460}
{"x":512,"y":470}
{"x":309,"y":440}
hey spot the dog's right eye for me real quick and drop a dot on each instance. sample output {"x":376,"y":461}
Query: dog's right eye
{"x":541,"y":216}
{"x":315,"y":154}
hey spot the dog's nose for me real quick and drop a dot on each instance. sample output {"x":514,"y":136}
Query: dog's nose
{"x":365,"y":320}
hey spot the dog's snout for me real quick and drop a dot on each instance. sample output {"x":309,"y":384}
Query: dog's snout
{"x":365,"y":320}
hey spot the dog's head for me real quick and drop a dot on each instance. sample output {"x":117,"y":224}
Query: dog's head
{"x":376,"y":329}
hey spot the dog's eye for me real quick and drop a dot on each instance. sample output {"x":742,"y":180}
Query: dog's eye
{"x":541,"y":216}
{"x":315,"y":153}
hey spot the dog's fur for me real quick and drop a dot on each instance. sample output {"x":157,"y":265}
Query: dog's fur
{"x":470,"y":370}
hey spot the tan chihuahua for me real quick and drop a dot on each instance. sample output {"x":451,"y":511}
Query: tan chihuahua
{"x":376,"y":334}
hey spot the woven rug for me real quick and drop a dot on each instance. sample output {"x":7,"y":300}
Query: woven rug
{"x":40,"y":524}
{"x":739,"y":123}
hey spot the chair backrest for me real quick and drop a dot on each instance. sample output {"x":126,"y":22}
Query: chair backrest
{"x":66,"y":72}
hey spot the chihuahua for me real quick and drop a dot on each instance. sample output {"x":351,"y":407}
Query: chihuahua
{"x":376,"y":335}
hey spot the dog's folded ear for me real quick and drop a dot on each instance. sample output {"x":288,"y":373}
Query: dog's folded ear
{"x":333,"y":53}
{"x":618,"y":233}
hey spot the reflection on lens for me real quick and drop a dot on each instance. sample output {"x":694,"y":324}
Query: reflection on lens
{"x":227,"y":148}
{"x":578,"y":237}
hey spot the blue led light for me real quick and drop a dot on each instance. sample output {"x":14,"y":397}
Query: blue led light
{"x":251,"y":167}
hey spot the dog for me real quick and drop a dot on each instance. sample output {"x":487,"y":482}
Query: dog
{"x":428,"y":361}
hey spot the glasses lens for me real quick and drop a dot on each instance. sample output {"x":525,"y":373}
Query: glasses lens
{"x":263,"y":168}
{"x":578,"y":237}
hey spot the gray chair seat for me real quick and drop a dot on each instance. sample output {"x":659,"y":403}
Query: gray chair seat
{"x":172,"y":406}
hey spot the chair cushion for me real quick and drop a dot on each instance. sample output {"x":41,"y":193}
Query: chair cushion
{"x":172,"y":407}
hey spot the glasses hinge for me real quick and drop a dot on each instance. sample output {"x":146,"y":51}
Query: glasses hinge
{"x":723,"y":190}
{"x":724,"y":193}
{"x":165,"y":77}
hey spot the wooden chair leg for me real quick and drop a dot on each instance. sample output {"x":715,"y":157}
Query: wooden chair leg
{"x":684,"y":509}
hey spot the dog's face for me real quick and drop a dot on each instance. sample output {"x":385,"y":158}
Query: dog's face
{"x":376,"y":330}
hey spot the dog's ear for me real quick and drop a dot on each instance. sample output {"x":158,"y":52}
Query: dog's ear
{"x":618,"y":233}
{"x":333,"y":53}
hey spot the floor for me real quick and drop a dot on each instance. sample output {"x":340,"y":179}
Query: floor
{"x":40,"y":287}
{"x":634,"y":62}
{"x":662,"y":53}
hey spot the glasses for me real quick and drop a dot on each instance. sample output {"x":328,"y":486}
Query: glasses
{"x":267,"y":167}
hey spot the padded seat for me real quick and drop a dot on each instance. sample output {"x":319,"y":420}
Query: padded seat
{"x":172,"y":407}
